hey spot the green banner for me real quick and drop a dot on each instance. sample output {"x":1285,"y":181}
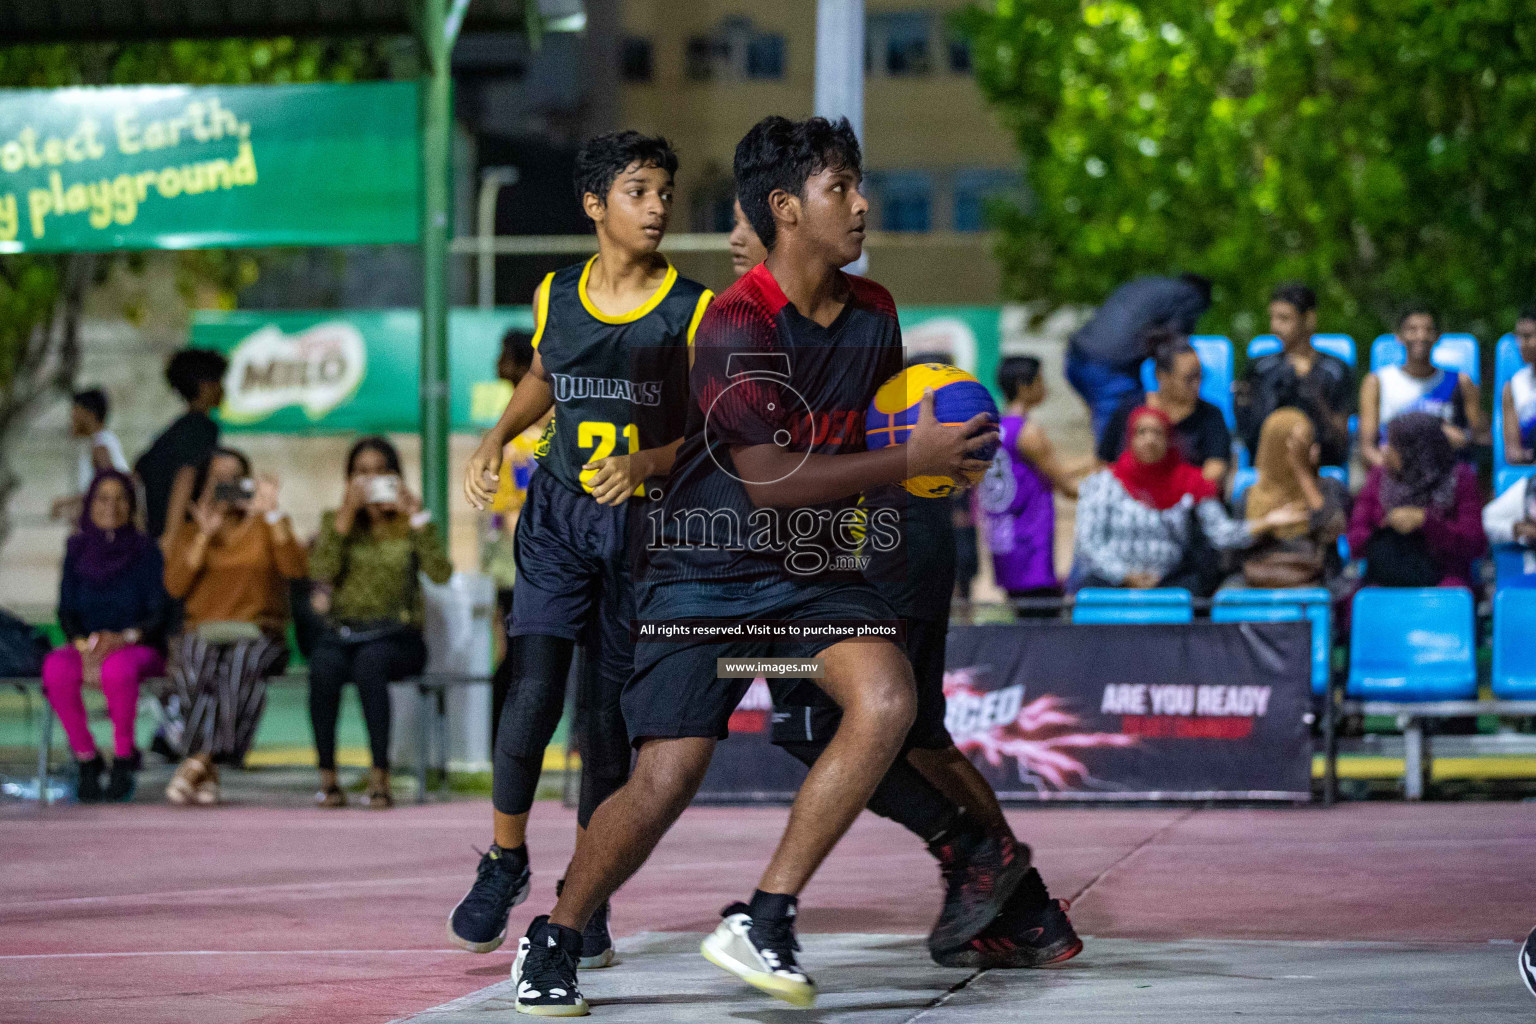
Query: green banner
{"x":970,"y":337}
{"x":178,"y":167}
{"x":353,"y":371}
{"x":358,"y":370}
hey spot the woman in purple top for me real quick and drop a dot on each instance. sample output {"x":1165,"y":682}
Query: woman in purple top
{"x":1015,"y":497}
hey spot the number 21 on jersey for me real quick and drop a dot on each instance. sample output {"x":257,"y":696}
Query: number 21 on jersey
{"x":601,"y":437}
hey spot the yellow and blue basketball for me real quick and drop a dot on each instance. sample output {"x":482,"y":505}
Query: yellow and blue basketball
{"x":957,"y":396}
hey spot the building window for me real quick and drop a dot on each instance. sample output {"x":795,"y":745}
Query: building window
{"x":959,"y":54}
{"x":765,"y":55}
{"x":898,"y":44}
{"x":706,"y":58}
{"x":974,"y":189}
{"x":903,"y":200}
{"x":636,"y":62}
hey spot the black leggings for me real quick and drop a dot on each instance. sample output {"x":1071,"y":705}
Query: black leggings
{"x":535,"y":669}
{"x":372,"y":666}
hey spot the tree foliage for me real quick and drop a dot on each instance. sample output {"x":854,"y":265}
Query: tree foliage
{"x":1381,"y":150}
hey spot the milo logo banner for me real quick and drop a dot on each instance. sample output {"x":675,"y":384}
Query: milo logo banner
{"x":352,"y":371}
{"x":1205,"y":711}
{"x":1065,"y":712}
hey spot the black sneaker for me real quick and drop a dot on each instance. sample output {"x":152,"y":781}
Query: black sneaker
{"x":544,"y":972}
{"x":1032,"y":931}
{"x":596,"y":941}
{"x":120,"y":782}
{"x":88,"y":779}
{"x":479,"y":922}
{"x":1528,"y":962}
{"x":980,"y":872}
{"x":762,"y":954}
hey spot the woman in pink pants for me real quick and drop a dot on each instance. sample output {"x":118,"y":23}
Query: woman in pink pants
{"x":112,"y":606}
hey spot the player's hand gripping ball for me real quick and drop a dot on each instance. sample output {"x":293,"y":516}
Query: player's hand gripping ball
{"x":957,"y":396}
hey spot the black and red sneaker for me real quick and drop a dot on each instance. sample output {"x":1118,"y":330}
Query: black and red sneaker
{"x":980,"y":873}
{"x":1032,"y":931}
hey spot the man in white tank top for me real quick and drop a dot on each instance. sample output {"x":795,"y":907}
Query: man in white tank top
{"x":1417,"y":386}
{"x":1519,"y":397}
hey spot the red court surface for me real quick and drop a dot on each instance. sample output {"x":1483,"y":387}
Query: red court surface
{"x":153,"y":914}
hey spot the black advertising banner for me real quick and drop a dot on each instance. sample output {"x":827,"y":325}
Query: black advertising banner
{"x":1148,"y":712}
{"x":1056,"y":711}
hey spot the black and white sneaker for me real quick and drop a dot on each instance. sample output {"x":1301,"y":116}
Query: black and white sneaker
{"x":762,"y":954}
{"x":596,"y":941}
{"x":479,"y":922}
{"x":544,"y":972}
{"x":1528,"y":962}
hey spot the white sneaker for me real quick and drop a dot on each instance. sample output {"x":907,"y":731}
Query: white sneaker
{"x":765,"y":960}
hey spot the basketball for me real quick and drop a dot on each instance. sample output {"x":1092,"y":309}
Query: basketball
{"x":957,"y":396}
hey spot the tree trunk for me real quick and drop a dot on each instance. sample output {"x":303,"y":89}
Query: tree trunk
{"x":45,"y":368}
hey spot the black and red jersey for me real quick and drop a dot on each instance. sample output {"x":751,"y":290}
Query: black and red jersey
{"x":764,"y":374}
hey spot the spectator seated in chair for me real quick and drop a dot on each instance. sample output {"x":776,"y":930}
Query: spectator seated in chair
{"x":1418,"y":520}
{"x":365,"y":564}
{"x":1305,"y":554}
{"x":112,"y":608}
{"x":1199,"y":429}
{"x":231,"y":564}
{"x":1519,"y":398}
{"x":1511,"y":517}
{"x":1137,"y":520}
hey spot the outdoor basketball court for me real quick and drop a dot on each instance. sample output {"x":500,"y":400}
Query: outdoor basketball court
{"x":1370,"y":912}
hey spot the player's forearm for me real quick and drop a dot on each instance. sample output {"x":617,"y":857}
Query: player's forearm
{"x":796,"y":479}
{"x":531,"y":399}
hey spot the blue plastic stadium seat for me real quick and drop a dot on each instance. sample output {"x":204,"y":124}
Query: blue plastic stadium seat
{"x":1506,"y":363}
{"x":1504,"y":479}
{"x":1243,"y":479}
{"x":1514,"y":568}
{"x":1339,"y":473}
{"x":1289,"y":605}
{"x":1452,"y":352}
{"x":1412,"y":643}
{"x":1215,"y":351}
{"x":1340,"y":345}
{"x":1113,"y":605}
{"x":1514,"y":653}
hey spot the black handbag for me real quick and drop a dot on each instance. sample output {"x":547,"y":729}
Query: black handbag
{"x":22,"y":648}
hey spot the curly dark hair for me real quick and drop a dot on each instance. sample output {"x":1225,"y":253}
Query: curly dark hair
{"x":603,"y":158}
{"x":190,"y":367}
{"x":780,"y":154}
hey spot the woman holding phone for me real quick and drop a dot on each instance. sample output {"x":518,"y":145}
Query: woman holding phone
{"x":365,"y":566}
{"x":230,"y":564}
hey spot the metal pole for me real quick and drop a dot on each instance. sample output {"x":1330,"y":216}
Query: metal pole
{"x":840,"y":72}
{"x":438,"y":27}
{"x":491,"y":183}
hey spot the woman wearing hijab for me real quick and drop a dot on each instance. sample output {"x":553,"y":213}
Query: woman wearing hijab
{"x":1307,"y":553}
{"x":112,"y":608}
{"x":1418,"y":521}
{"x":1136,"y":519}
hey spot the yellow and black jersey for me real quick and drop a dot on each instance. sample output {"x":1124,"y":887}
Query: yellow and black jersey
{"x":620,"y":383}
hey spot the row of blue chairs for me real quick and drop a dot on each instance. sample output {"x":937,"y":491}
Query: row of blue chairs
{"x":1406,"y":644}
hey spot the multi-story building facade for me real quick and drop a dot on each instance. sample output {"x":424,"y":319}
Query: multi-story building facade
{"x":702,"y":72}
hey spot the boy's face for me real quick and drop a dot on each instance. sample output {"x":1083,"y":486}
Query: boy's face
{"x":1289,"y":324}
{"x":1034,"y":392}
{"x":82,"y":422}
{"x":1525,"y":334}
{"x":511,"y":371}
{"x":1418,"y":335}
{"x":746,"y":248}
{"x":833,"y":214}
{"x":634,"y":214}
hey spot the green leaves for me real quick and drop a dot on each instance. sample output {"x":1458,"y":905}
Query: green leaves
{"x":1379,"y":149}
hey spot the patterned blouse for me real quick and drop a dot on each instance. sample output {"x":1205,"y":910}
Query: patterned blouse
{"x":375,"y":577}
{"x":1118,"y":535}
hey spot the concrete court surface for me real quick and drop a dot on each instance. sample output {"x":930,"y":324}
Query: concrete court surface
{"x":1366,"y":912}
